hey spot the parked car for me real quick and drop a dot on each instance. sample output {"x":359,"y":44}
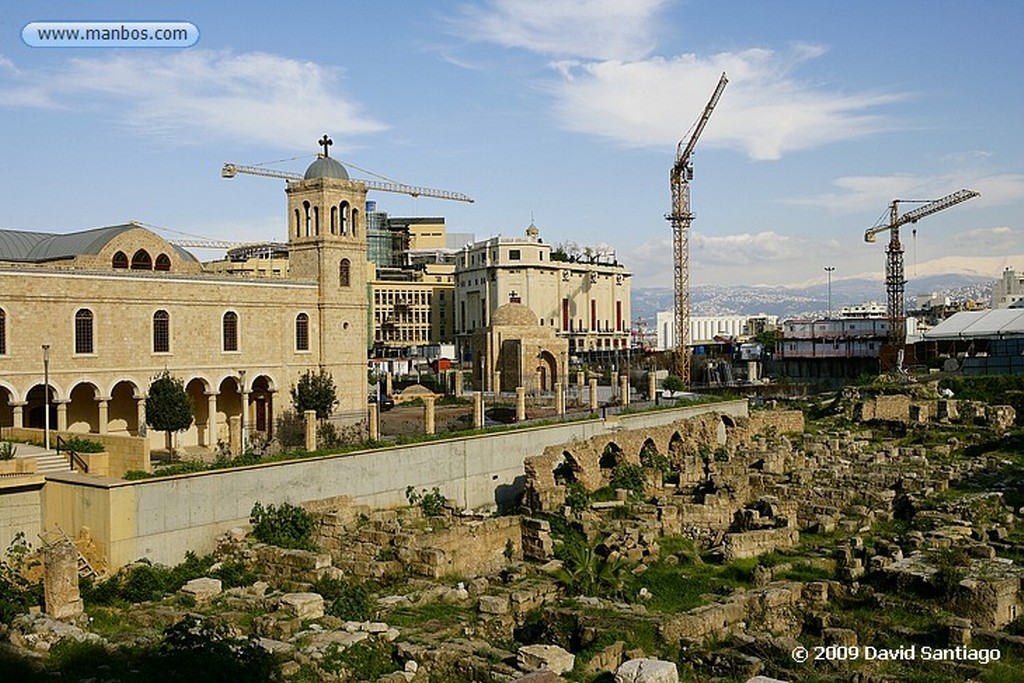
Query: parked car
{"x":501,"y":414}
{"x":385,"y":403}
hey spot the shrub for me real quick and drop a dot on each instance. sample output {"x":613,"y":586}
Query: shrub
{"x":431,"y":503}
{"x":287,"y":526}
{"x":7,"y":450}
{"x":291,"y":431}
{"x":347,"y":599}
{"x":365,"y":661}
{"x":17,"y":594}
{"x":576,"y":496}
{"x":198,"y":649}
{"x":630,"y":477}
{"x":82,"y":445}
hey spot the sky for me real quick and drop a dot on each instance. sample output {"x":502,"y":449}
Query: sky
{"x":563,"y":113}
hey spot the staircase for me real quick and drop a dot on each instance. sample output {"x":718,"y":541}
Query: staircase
{"x":46,"y":461}
{"x":56,"y":536}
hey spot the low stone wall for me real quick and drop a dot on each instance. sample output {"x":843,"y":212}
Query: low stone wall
{"x":775,"y":608}
{"x":755,"y":543}
{"x":124,"y":452}
{"x":781,"y":421}
{"x":20,"y":507}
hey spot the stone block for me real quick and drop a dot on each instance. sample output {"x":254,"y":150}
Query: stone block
{"x":303,"y":605}
{"x":839,"y":636}
{"x":647,"y":671}
{"x":493,"y":604}
{"x":545,"y":657}
{"x":203,"y":589}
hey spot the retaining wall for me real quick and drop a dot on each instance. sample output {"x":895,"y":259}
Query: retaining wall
{"x":163,"y":518}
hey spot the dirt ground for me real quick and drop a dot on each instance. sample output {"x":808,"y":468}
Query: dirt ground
{"x":408,"y":420}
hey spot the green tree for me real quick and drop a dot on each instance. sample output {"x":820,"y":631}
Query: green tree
{"x":315,"y":391}
{"x":673,"y":383}
{"x":168,"y":406}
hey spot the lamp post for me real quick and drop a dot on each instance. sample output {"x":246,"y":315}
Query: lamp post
{"x":241,"y":399}
{"x":828,"y":270}
{"x":46,"y":397}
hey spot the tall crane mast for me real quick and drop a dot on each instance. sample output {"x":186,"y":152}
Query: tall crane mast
{"x":894,"y":280}
{"x":681,"y":218}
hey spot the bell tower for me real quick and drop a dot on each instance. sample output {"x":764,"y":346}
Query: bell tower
{"x":327,"y":245}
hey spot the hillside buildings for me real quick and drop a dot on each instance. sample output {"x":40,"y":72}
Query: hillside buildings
{"x":1008,"y":290}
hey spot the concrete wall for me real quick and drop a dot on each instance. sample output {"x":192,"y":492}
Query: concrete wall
{"x":20,"y":509}
{"x":163,"y":518}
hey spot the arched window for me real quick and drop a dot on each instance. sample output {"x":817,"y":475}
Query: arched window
{"x":355,"y":220}
{"x":334,"y":220}
{"x":3,"y":332}
{"x":308,"y":217}
{"x":120,"y":260}
{"x":344,"y":273}
{"x":163,"y":262}
{"x":298,"y":224}
{"x":230,"y":331}
{"x":343,"y":217}
{"x":141,"y":260}
{"x":83,"y":331}
{"x":302,"y":332}
{"x":161,"y":332}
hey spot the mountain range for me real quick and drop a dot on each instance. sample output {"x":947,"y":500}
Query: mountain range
{"x":804,"y":300}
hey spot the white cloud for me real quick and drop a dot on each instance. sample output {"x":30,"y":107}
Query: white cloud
{"x":765,"y":111}
{"x":590,"y":29}
{"x":863,"y":193}
{"x":202,"y":94}
{"x":764,"y":256}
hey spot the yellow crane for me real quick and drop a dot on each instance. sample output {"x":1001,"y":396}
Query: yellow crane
{"x":231,"y":170}
{"x":681,"y":218}
{"x":894,"y":280}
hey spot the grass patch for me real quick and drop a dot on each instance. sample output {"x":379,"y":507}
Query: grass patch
{"x":447,"y":615}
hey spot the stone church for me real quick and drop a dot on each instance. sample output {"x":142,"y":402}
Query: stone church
{"x":112,"y":307}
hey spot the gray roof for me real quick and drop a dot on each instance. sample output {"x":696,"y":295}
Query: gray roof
{"x":37,"y":247}
{"x":326,"y":167}
{"x":999,"y":322}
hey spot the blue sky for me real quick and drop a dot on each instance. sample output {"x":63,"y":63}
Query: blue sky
{"x":566,"y":112}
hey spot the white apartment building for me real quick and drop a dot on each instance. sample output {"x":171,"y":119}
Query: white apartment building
{"x":585,"y":300}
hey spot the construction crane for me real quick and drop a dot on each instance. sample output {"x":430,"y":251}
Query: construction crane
{"x":681,"y":218}
{"x":894,"y":281}
{"x":231,"y":170}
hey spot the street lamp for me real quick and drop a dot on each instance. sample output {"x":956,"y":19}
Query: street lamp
{"x":242,"y":401}
{"x":46,"y":398}
{"x":829,"y":269}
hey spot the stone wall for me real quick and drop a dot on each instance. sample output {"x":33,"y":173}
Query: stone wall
{"x":755,"y":543}
{"x":775,"y":609}
{"x":125,"y":452}
{"x":20,"y":508}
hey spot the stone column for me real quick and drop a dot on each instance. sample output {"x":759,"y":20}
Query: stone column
{"x":60,"y":582}
{"x":559,"y":399}
{"x":496,"y":383}
{"x":615,"y":385}
{"x":537,"y":388}
{"x":62,"y":415}
{"x":388,"y":385}
{"x":459,"y":383}
{"x":428,"y":415}
{"x":593,"y":395}
{"x":235,"y":434}
{"x":478,"y":410}
{"x":581,"y":380}
{"x":310,"y":418}
{"x":374,"y":419}
{"x":211,"y":419}
{"x":244,"y":417}
{"x":104,"y":410}
{"x":520,"y":404}
{"x":140,"y":413}
{"x":19,"y":413}
{"x":652,"y":385}
{"x":624,"y":389}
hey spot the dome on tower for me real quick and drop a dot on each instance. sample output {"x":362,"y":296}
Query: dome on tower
{"x":326,"y":167}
